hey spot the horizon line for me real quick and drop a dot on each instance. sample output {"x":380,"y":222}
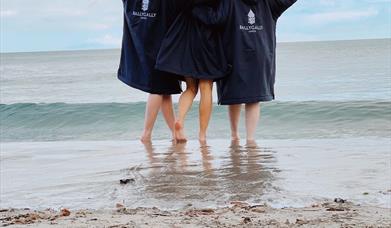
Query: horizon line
{"x":106,"y":49}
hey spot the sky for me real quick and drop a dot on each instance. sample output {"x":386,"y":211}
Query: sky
{"x":50,"y":25}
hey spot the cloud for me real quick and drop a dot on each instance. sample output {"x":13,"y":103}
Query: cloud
{"x":340,"y":16}
{"x":89,"y":24}
{"x":8,"y":13}
{"x":67,"y":12}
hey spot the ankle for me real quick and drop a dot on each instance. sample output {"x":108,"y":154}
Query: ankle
{"x":235,"y":136}
{"x":147,"y":133}
{"x":250,"y":139}
{"x":202,"y":135}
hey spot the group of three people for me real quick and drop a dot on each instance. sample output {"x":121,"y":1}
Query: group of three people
{"x":230,"y":42}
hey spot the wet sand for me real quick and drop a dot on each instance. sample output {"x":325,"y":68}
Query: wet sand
{"x":281,"y":173}
{"x":280,"y":183}
{"x":238,"y":214}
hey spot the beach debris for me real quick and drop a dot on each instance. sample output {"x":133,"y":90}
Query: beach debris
{"x":197,"y":212}
{"x":21,"y":219}
{"x":207,"y":210}
{"x":272,"y":222}
{"x":240,"y":204}
{"x":81,"y":214}
{"x":337,"y":208}
{"x":301,"y":221}
{"x":246,"y":220}
{"x":339,"y":200}
{"x":161,"y":214}
{"x":65,"y":212}
{"x":54,"y":217}
{"x":126,"y":181}
{"x":258,"y":210}
{"x":118,"y":205}
{"x":3,"y":210}
{"x":366,"y":193}
{"x":127,"y":211}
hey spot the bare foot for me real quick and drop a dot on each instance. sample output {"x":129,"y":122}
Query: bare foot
{"x":145,"y":139}
{"x":251,"y":143}
{"x":179,"y":135}
{"x":235,"y":144}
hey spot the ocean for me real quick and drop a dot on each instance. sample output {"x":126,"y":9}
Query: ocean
{"x":69,"y":132}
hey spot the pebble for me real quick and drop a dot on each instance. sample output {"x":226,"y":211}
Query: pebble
{"x":258,"y":210}
{"x":126,"y":181}
{"x":339,"y":200}
{"x":246,"y":220}
{"x":301,"y":222}
{"x":240,"y":204}
{"x":65,"y":212}
{"x":118,"y":205}
{"x":207,"y":210}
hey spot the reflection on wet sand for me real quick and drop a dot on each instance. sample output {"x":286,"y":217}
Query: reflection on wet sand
{"x":189,"y":173}
{"x":245,"y":174}
{"x":207,"y":159}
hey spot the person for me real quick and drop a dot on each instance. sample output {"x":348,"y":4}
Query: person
{"x":249,"y":39}
{"x":194,"y":51}
{"x":145,"y":25}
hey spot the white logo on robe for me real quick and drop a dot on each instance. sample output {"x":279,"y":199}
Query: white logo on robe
{"x":251,"y":17}
{"x":145,"y":5}
{"x":251,"y":26}
{"x":144,"y":14}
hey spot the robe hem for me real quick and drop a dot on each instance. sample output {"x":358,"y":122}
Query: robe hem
{"x":246,"y":100}
{"x":182,"y":75}
{"x":148,"y":89}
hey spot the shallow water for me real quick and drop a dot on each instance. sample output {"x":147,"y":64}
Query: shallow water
{"x":278,"y":172}
{"x":67,"y":125}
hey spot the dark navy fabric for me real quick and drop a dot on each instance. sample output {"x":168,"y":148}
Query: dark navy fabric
{"x":145,"y":24}
{"x":193,"y":49}
{"x":250,"y":45}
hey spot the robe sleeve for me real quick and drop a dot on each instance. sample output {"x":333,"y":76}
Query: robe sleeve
{"x":213,"y":15}
{"x":277,"y":7}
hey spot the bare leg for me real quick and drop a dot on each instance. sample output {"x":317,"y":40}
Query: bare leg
{"x":205,"y":109}
{"x":252,"y":119}
{"x":185,"y":102}
{"x":234,"y":117}
{"x":151,"y":111}
{"x":168,"y":113}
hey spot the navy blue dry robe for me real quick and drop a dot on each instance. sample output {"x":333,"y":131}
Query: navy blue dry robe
{"x":193,"y":49}
{"x":145,"y":24}
{"x":250,"y":46}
